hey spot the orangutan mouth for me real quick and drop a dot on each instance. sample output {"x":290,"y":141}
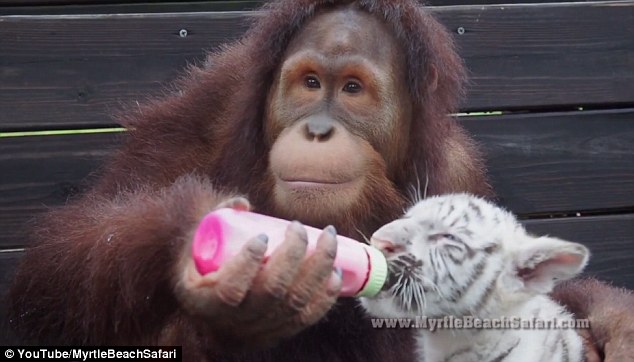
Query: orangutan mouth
{"x":313,"y":183}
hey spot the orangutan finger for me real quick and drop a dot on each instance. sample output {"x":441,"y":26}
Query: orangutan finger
{"x":321,"y":303}
{"x":315,"y":270}
{"x":284,"y":264}
{"x":621,"y":349}
{"x":316,"y":309}
{"x":191,"y":293}
{"x":234,"y":279}
{"x":237,"y":203}
{"x":591,"y":351}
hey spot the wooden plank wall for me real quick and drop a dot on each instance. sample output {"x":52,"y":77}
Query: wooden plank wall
{"x":32,"y":7}
{"x":560,"y":148}
{"x":521,"y":57}
{"x":530,"y":158}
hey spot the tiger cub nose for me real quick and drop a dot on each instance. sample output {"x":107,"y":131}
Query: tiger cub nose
{"x":387,"y":247}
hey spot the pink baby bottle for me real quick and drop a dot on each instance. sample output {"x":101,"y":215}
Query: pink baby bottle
{"x":221,"y":234}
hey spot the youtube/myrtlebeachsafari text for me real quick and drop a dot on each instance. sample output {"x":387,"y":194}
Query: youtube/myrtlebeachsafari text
{"x":92,"y":353}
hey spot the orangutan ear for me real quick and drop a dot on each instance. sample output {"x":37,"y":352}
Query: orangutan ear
{"x":432,"y":78}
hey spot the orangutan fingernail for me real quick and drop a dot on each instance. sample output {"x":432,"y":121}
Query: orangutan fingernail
{"x":334,"y":283}
{"x":339,"y":272}
{"x":299,"y":228}
{"x":263,"y":238}
{"x":331,"y":229}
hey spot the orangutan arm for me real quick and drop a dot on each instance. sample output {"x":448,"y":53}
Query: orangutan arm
{"x":100,"y":270}
{"x":128,"y":277}
{"x":610,"y":311}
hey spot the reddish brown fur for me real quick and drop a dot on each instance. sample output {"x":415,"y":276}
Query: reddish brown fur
{"x":97,"y":274}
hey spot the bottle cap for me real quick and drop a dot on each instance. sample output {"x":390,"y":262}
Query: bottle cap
{"x":209,"y":244}
{"x":378,"y":273}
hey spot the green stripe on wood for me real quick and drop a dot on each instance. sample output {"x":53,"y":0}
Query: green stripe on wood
{"x":61,"y":132}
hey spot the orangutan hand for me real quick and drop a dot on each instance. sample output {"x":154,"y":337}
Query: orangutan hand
{"x":612,"y":330}
{"x":246,"y":303}
{"x":611,"y":314}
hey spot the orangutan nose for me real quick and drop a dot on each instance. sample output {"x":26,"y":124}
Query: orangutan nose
{"x":319,"y":128}
{"x":387,"y":247}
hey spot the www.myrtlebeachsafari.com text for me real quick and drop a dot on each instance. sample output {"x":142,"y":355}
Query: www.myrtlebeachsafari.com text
{"x":467,"y":322}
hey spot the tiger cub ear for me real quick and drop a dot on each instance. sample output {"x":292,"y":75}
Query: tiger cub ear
{"x":539,"y":263}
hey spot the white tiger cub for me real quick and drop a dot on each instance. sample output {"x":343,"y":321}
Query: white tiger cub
{"x":459,"y":255}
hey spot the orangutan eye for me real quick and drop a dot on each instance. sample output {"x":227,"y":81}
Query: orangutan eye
{"x":312,"y":82}
{"x":352,"y":87}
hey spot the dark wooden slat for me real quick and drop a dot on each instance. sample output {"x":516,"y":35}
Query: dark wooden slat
{"x":560,"y":162}
{"x":87,"y":3}
{"x":8,"y":262}
{"x":76,"y":72}
{"x":530,"y":56}
{"x":51,"y":6}
{"x":610,"y":239}
{"x":61,"y":71}
{"x":41,"y":172}
{"x":572,"y":162}
{"x":128,"y":8}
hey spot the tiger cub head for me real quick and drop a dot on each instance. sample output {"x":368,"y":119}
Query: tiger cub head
{"x":458,"y":254}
